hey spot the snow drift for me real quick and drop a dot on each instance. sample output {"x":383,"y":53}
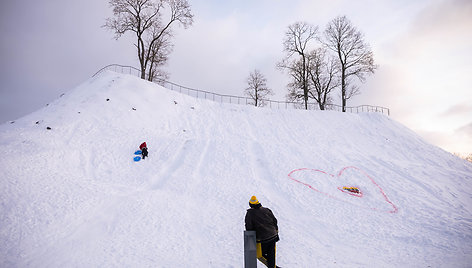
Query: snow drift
{"x":72,"y":196}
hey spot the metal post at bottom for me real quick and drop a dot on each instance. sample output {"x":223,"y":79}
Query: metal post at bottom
{"x":250,"y":249}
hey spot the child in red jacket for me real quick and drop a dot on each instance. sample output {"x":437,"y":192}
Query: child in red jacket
{"x":144,"y":150}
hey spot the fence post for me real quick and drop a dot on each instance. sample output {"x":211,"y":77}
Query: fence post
{"x":250,"y":250}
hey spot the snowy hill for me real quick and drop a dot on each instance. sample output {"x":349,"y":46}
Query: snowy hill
{"x":71,"y":195}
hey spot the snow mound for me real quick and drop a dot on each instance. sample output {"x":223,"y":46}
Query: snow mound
{"x":71,"y":194}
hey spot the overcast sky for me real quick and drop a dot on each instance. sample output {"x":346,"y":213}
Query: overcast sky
{"x":422,"y":48}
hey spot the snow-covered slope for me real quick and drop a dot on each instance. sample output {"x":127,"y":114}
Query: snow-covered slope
{"x":71,"y":195}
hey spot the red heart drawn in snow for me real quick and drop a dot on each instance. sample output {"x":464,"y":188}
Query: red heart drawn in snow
{"x":348,"y":189}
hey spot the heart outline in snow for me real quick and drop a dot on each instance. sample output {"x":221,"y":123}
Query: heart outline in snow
{"x":340,"y":173}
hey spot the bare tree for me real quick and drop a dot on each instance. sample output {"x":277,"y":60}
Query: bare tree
{"x":257,"y":88}
{"x":323,"y":74}
{"x":158,"y":57}
{"x":354,"y":54}
{"x":151,"y":21}
{"x":296,"y":92}
{"x":296,"y":43}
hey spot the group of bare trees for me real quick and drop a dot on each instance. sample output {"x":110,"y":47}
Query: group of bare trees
{"x":318,"y":63}
{"x":151,"y":21}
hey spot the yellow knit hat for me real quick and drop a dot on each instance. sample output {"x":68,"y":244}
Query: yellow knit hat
{"x":254,"y":200}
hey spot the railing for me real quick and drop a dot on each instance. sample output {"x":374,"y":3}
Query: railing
{"x":222,"y":98}
{"x":120,"y":69}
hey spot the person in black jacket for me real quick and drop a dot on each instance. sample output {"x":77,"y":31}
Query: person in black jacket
{"x":263,"y":221}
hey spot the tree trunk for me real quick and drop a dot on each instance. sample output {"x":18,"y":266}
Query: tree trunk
{"x":141,"y":57}
{"x":343,"y":89}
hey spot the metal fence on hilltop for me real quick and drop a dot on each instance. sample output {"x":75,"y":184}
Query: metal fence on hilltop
{"x":223,"y":98}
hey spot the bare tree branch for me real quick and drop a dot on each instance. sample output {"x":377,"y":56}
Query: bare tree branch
{"x":323,"y":73}
{"x":151,"y":21}
{"x":354,"y":55}
{"x":296,"y":42}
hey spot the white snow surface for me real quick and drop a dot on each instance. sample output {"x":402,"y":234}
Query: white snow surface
{"x":72,"y":196}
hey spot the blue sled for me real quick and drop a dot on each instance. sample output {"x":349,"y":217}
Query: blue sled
{"x":137,"y":158}
{"x":138,"y":152}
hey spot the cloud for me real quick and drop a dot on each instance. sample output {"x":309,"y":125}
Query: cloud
{"x":461,"y":109}
{"x":430,"y":73}
{"x":459,"y":141}
{"x":424,"y":74}
{"x":463,"y":142}
{"x":218,"y":52}
{"x":48,"y":47}
{"x":465,"y":130}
